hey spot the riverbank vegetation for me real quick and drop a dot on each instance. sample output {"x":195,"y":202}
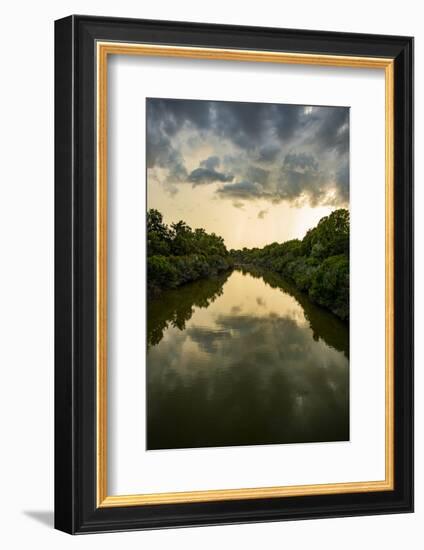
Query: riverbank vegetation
{"x":324,"y":324}
{"x":177,"y":254}
{"x":176,"y":307}
{"x":317,"y":265}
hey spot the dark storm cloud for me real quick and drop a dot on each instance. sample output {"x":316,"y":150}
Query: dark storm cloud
{"x":244,"y":124}
{"x":257,"y":174}
{"x":298,"y":180}
{"x":330,"y":129}
{"x":160,"y":151}
{"x":269,"y":152}
{"x":204,"y":175}
{"x":342,"y":179}
{"x":208,"y":173}
{"x":288,"y":120}
{"x":300,"y":162}
{"x":172,"y":114}
{"x":272,"y":152}
{"x":211,"y":163}
{"x":242,"y":190}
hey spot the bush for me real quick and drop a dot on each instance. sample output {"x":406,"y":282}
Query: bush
{"x":161,"y":272}
{"x":302,"y":271}
{"x":330,"y":285}
{"x":177,"y":255}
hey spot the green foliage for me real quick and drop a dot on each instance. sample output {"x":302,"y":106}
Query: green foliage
{"x":161,"y":271}
{"x":159,"y":236}
{"x":177,"y":255}
{"x":317,"y":265}
{"x":330,"y":237}
{"x":330,"y":285}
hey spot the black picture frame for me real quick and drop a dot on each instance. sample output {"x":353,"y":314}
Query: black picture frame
{"x":76,"y":510}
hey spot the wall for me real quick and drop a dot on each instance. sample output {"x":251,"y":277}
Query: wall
{"x":26,"y":289}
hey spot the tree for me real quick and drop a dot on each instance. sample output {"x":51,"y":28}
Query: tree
{"x":177,"y":254}
{"x":330,"y":237}
{"x":158,"y":235}
{"x":317,"y":265}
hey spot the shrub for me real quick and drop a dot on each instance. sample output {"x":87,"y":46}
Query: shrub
{"x":330,"y":285}
{"x":161,"y":272}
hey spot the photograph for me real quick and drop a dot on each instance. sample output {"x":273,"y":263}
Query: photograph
{"x":247,"y":273}
{"x":234,"y":269}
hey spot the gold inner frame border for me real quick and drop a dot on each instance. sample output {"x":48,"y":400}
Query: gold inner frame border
{"x":103,"y":50}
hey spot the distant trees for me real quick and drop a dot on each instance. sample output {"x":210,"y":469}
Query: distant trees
{"x":178,"y":254}
{"x":317,"y":265}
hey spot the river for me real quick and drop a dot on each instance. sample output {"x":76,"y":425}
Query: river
{"x":243,"y":358}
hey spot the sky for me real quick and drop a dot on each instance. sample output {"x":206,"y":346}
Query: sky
{"x":254,"y":173}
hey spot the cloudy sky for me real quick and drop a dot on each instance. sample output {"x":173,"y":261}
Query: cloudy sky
{"x":253,"y":173}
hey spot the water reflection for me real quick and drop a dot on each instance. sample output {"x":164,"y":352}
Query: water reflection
{"x":323,"y":323}
{"x":244,"y":359}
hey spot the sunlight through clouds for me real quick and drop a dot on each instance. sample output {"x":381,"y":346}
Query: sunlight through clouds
{"x":252,"y":173}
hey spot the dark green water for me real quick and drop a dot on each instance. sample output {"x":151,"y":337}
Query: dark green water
{"x":244,"y":359}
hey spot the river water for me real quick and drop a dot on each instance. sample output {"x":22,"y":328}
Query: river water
{"x":244,"y":359}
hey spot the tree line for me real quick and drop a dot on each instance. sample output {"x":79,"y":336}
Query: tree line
{"x":317,"y":265}
{"x":177,"y":254}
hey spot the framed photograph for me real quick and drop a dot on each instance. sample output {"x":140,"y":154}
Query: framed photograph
{"x":234,"y":274}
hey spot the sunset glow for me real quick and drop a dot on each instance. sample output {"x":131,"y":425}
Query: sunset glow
{"x":252,"y":173}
